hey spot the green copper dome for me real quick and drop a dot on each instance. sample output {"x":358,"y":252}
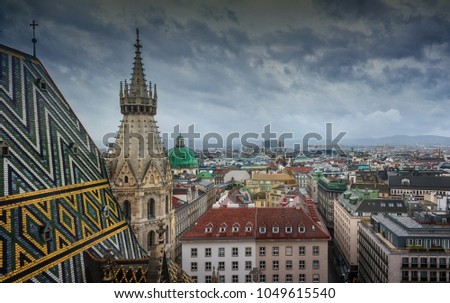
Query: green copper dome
{"x":182,"y":157}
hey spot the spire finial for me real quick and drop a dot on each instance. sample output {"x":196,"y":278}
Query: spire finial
{"x":155,"y":95}
{"x":34,"y":40}
{"x":138,"y":42}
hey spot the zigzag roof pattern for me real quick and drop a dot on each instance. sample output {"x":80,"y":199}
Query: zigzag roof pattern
{"x":55,"y":198}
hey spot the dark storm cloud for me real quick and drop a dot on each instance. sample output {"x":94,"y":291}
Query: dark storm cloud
{"x":288,"y":63}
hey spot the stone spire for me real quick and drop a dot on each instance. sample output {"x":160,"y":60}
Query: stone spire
{"x":137,"y":99}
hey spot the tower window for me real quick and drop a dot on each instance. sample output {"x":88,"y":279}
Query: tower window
{"x":127,"y":210}
{"x":151,"y":209}
{"x":125,"y":179}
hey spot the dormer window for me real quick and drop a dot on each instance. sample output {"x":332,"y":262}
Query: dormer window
{"x":105,"y":211}
{"x":406,"y":181}
{"x":209,"y":228}
{"x":248,"y":229}
{"x":235,"y":229}
{"x":222,"y":229}
{"x":301,"y":229}
{"x":262,"y":230}
{"x":288,"y":229}
{"x":5,"y":149}
{"x":41,"y":84}
{"x":275,"y":229}
{"x":46,"y":233}
{"x":313,"y":228}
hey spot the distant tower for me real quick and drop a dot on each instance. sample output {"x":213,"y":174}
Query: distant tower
{"x":139,"y":170}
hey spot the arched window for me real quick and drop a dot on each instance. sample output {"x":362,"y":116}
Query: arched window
{"x":127,"y":209}
{"x":166,"y":236}
{"x":151,"y":239}
{"x":126,"y":179}
{"x":167,"y":204}
{"x":151,"y":209}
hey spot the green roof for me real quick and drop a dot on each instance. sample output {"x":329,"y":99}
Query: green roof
{"x":182,"y":157}
{"x":205,"y":175}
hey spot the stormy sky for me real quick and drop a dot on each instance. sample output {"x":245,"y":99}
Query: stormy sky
{"x":372,"y":68}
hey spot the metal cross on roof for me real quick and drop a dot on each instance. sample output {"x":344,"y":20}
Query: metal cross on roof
{"x":34,"y":40}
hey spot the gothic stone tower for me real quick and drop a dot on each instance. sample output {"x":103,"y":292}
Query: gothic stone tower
{"x":139,"y":170}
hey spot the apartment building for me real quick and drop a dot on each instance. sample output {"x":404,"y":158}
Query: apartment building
{"x":242,"y":245}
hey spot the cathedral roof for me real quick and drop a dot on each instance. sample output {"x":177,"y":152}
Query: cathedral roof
{"x":57,"y":211}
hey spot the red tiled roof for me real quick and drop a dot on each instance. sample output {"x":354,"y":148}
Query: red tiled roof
{"x":215,"y":218}
{"x":256,"y":217}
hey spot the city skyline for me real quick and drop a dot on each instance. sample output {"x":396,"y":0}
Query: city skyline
{"x":373,"y":69}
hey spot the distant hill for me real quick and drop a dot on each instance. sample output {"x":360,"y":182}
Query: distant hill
{"x":400,"y":140}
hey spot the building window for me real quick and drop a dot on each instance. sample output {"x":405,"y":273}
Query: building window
{"x":235,"y":229}
{"x":288,"y":278}
{"x":423,"y":262}
{"x":315,"y":250}
{"x":248,"y":279}
{"x":221,"y":252}
{"x":275,"y":278}
{"x":194,"y":278}
{"x":288,"y":229}
{"x":194,"y":266}
{"x":419,"y":242}
{"x":235,"y":252}
{"x":262,"y":230}
{"x":235,"y":265}
{"x":151,"y":209}
{"x":222,"y":229}
{"x":423,"y":276}
{"x":262,"y":265}
{"x":193,"y":252}
{"x":405,"y":275}
{"x":125,"y":179}
{"x":288,"y":251}
{"x":262,"y":251}
{"x":316,"y":278}
{"x":208,"y":229}
{"x":442,"y":276}
{"x":208,"y":279}
{"x":207,"y":266}
{"x":288,"y":264}
{"x":301,"y":229}
{"x":248,"y":251}
{"x":442,"y":262}
{"x":275,"y":265}
{"x":221,"y":266}
{"x":316,"y":264}
{"x":275,"y":251}
{"x":262,"y":278}
{"x":248,"y":265}
{"x":301,"y":250}
{"x":301,"y":278}
{"x":208,"y":252}
{"x":221,"y":279}
{"x":433,"y":262}
{"x":275,"y":229}
{"x":414,"y":262}
{"x":301,"y":264}
{"x":234,"y":279}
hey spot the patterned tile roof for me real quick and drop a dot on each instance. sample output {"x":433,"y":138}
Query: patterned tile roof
{"x":55,"y":198}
